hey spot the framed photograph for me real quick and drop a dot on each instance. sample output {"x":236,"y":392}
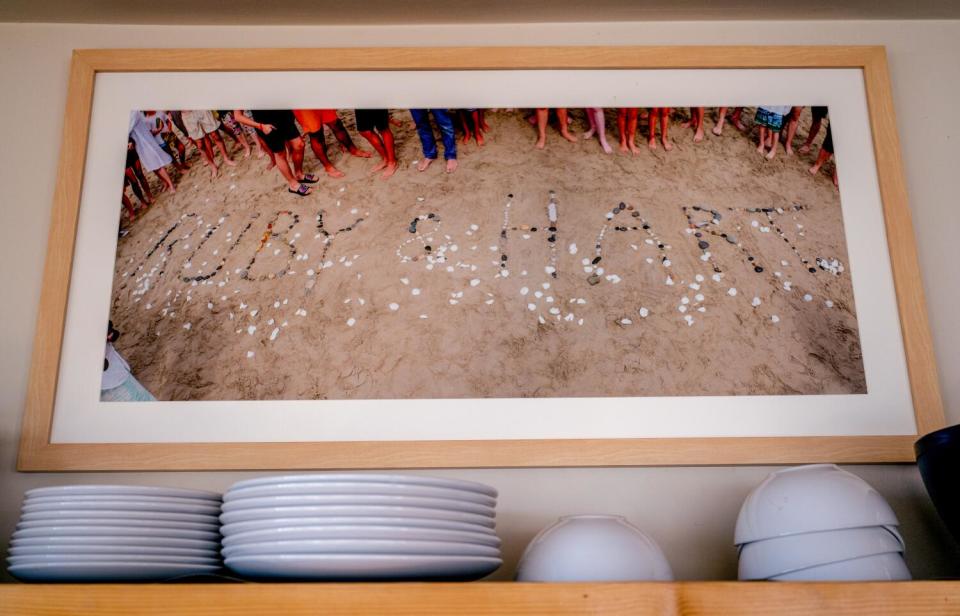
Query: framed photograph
{"x":479,"y":257}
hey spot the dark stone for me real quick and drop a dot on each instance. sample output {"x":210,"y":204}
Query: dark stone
{"x":503,"y":257}
{"x":635,"y":214}
{"x":703,"y":245}
{"x":534,"y":229}
{"x":593,"y":279}
{"x":552,"y":229}
{"x":750,"y":259}
{"x":757,"y":269}
{"x":812,"y":270}
{"x":510,"y":196}
{"x":552,"y":238}
{"x":431,"y":215}
{"x":428,"y":248}
{"x":698,"y":234}
{"x":730,"y":238}
{"x":596,"y":259}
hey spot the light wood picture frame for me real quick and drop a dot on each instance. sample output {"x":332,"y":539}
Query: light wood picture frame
{"x":39,"y":453}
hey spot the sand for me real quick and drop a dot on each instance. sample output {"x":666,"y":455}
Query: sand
{"x":360,"y":308}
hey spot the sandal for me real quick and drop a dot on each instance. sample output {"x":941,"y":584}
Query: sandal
{"x":302,"y":191}
{"x":309,"y":178}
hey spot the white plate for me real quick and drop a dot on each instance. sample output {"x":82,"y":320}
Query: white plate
{"x":455,"y":484}
{"x":310,"y":500}
{"x":121,"y":489}
{"x":360,"y":546}
{"x":21,"y":550}
{"x":95,"y":531}
{"x":272,"y":523}
{"x":114,"y":514}
{"x":70,"y":499}
{"x":213,"y":525}
{"x":201,"y":507}
{"x":107,"y":571}
{"x":355,"y":510}
{"x":199,"y":544}
{"x":31,"y":559}
{"x":358,"y":487}
{"x":364,"y":566}
{"x":360,"y":532}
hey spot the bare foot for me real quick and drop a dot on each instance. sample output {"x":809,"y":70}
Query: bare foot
{"x":566,"y":135}
{"x":717,"y":130}
{"x":333,"y":172}
{"x":623,"y":147}
{"x":772,"y":153}
{"x":466,"y":139}
{"x":761,"y":149}
{"x":814,"y":170}
{"x":452,"y":165}
{"x":606,"y":148}
{"x":382,"y":164}
{"x":246,"y":153}
{"x":360,"y":153}
{"x":426,"y":162}
{"x":389,"y":171}
{"x":480,"y":140}
{"x":686,"y":124}
{"x":698,"y":137}
{"x":652,"y":143}
{"x":260,"y":154}
{"x":633,"y":148}
{"x":788,"y":149}
{"x":740,"y":126}
{"x":229,"y":162}
{"x":541,"y":143}
{"x":666,"y":144}
{"x":589,"y":134}
{"x":214,"y":172}
{"x":271,"y":163}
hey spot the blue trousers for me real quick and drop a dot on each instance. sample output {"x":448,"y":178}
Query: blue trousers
{"x":421,"y":118}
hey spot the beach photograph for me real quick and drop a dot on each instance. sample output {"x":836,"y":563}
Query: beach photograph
{"x":336,"y":254}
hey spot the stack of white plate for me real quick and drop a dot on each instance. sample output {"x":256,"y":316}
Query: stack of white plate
{"x":87,"y":533}
{"x":352,"y":526}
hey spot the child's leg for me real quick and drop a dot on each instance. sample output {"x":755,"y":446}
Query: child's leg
{"x":142,"y":180}
{"x":721,"y":118}
{"x":599,"y":122}
{"x":622,"y":127}
{"x":564,"y":120}
{"x":165,"y":177}
{"x":297,"y":148}
{"x":478,"y":125}
{"x":664,"y":121}
{"x":592,"y":122}
{"x":698,"y":124}
{"x":541,"y":122}
{"x":774,"y":141}
{"x":793,"y":122}
{"x":652,"y":116}
{"x":822,"y":157}
{"x":217,"y":139}
{"x":388,"y":145}
{"x":344,"y":138}
{"x":482,"y":119}
{"x":763,"y":140}
{"x":319,"y":146}
{"x":632,"y":130}
{"x":465,"y":125}
{"x":735,"y":119}
{"x":206,"y":154}
{"x":814,"y":131}
{"x":378,"y":145}
{"x":131,"y":212}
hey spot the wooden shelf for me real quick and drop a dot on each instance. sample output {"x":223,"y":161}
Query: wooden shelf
{"x":425,"y":599}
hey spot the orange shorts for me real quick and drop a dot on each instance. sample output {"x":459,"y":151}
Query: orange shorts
{"x":311,"y":120}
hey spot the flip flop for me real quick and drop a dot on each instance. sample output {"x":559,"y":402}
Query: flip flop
{"x":302,"y":191}
{"x":309,"y":178}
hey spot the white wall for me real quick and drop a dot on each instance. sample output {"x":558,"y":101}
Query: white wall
{"x":690,"y":511}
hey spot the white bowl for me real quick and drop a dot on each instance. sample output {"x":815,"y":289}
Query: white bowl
{"x":359,"y":511}
{"x":879,"y":567}
{"x":391,"y":500}
{"x":291,"y":533}
{"x":360,"y":546}
{"x":771,"y":557}
{"x":807,"y":499}
{"x":358,"y":487}
{"x":422,"y":480}
{"x":101,"y":490}
{"x":593,"y":548}
{"x":279,"y":522}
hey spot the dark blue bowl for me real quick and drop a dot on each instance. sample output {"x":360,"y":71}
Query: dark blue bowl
{"x":938,"y":458}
